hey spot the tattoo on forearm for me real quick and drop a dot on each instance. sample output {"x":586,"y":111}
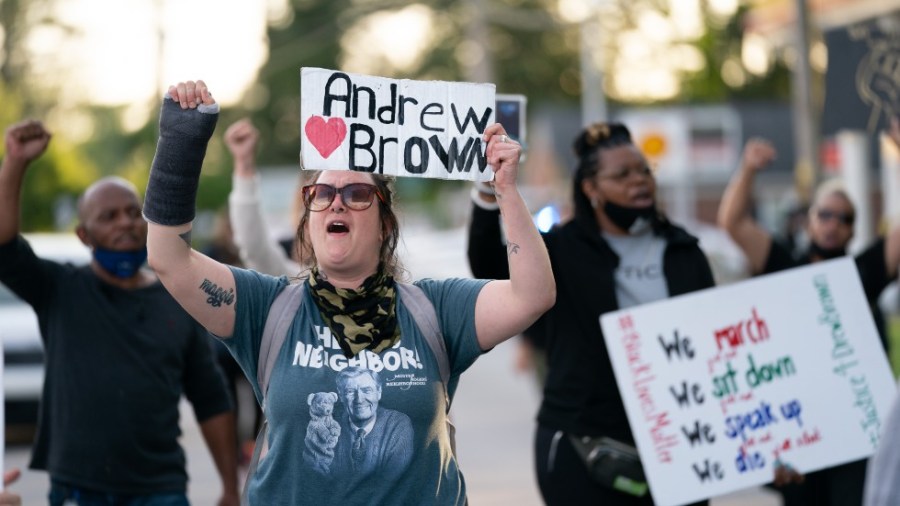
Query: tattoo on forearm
{"x":186,"y":237}
{"x":512,"y":249}
{"x":217,"y":295}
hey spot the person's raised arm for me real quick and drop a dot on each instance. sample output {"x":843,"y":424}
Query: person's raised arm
{"x":734,"y":210}
{"x":258,"y":250}
{"x":204,"y":287}
{"x":242,"y":139}
{"x":25,"y":141}
{"x":507,"y":307}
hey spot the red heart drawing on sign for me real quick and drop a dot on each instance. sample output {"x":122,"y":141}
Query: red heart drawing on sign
{"x":324,"y":135}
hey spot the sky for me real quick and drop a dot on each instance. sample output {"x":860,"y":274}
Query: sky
{"x":114,"y":57}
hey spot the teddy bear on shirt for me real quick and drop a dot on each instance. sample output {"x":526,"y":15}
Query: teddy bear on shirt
{"x":322,"y":432}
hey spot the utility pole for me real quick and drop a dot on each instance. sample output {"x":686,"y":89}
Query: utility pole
{"x":806,"y":124}
{"x":593,"y":100}
{"x":481,"y":71}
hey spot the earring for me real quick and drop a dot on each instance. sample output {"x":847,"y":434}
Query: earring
{"x":594,"y":202}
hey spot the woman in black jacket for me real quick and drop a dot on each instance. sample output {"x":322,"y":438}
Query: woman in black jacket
{"x":618,"y":251}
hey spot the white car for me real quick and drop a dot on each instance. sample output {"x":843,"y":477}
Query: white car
{"x":23,"y":352}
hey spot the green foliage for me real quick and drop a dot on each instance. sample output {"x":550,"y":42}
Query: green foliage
{"x":130,"y":155}
{"x":61,"y":173}
{"x":893,"y":330}
{"x":59,"y":176}
{"x":528,"y":49}
{"x":313,"y":39}
{"x":532,"y":54}
{"x":11,"y":111}
{"x":720,"y":43}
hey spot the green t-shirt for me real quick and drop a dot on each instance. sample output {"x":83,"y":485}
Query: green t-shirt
{"x":380,"y":438}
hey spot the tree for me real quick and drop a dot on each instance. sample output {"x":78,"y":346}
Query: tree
{"x":54,"y":181}
{"x":315,"y":34}
{"x":721,"y":48}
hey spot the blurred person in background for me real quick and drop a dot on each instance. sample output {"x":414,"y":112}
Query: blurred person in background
{"x":221,"y":245}
{"x":251,"y":234}
{"x":255,"y":247}
{"x":830,"y":229}
{"x":119,"y":352}
{"x":617,"y":251}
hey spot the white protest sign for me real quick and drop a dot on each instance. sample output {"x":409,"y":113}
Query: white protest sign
{"x":395,"y":127}
{"x":721,"y":383}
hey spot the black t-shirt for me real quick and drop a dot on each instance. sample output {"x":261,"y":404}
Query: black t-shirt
{"x":117,"y":362}
{"x":581,"y":396}
{"x":870,"y":263}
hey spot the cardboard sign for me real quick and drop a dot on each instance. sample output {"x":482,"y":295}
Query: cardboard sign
{"x":720,"y":384}
{"x":395,"y":127}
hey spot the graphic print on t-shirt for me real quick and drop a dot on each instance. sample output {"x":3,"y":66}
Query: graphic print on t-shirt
{"x":639,"y":276}
{"x":375,"y":440}
{"x":322,"y":431}
{"x":352,"y":433}
{"x":328,"y":354}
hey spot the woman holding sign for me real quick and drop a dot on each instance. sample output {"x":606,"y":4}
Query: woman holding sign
{"x":830,"y":228}
{"x":357,"y":407}
{"x":618,"y":251}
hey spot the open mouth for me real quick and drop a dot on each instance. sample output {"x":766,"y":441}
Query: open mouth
{"x":643,"y":194}
{"x":337,"y":227}
{"x":643,"y":198}
{"x":128,"y":241}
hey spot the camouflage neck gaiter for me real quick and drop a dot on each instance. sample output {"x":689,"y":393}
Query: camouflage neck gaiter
{"x":360,"y":319}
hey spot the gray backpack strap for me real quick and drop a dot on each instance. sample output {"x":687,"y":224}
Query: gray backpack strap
{"x":423,"y":313}
{"x":281,"y":315}
{"x":425,"y":316}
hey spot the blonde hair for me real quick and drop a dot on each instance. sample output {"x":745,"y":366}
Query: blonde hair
{"x":833,"y":186}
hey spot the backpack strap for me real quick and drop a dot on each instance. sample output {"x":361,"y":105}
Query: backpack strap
{"x":426,"y":319}
{"x":281,"y":315}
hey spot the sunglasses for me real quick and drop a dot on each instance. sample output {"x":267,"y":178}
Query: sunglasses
{"x":827,"y":215}
{"x":622,"y":175}
{"x":356,"y":196}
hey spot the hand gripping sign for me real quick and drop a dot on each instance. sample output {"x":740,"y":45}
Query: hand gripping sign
{"x":394,"y":127}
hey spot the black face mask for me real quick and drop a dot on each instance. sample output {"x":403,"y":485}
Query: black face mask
{"x":825,"y":253}
{"x":625,"y":217}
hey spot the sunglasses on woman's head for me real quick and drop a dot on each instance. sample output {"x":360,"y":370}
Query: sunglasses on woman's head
{"x":356,"y":196}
